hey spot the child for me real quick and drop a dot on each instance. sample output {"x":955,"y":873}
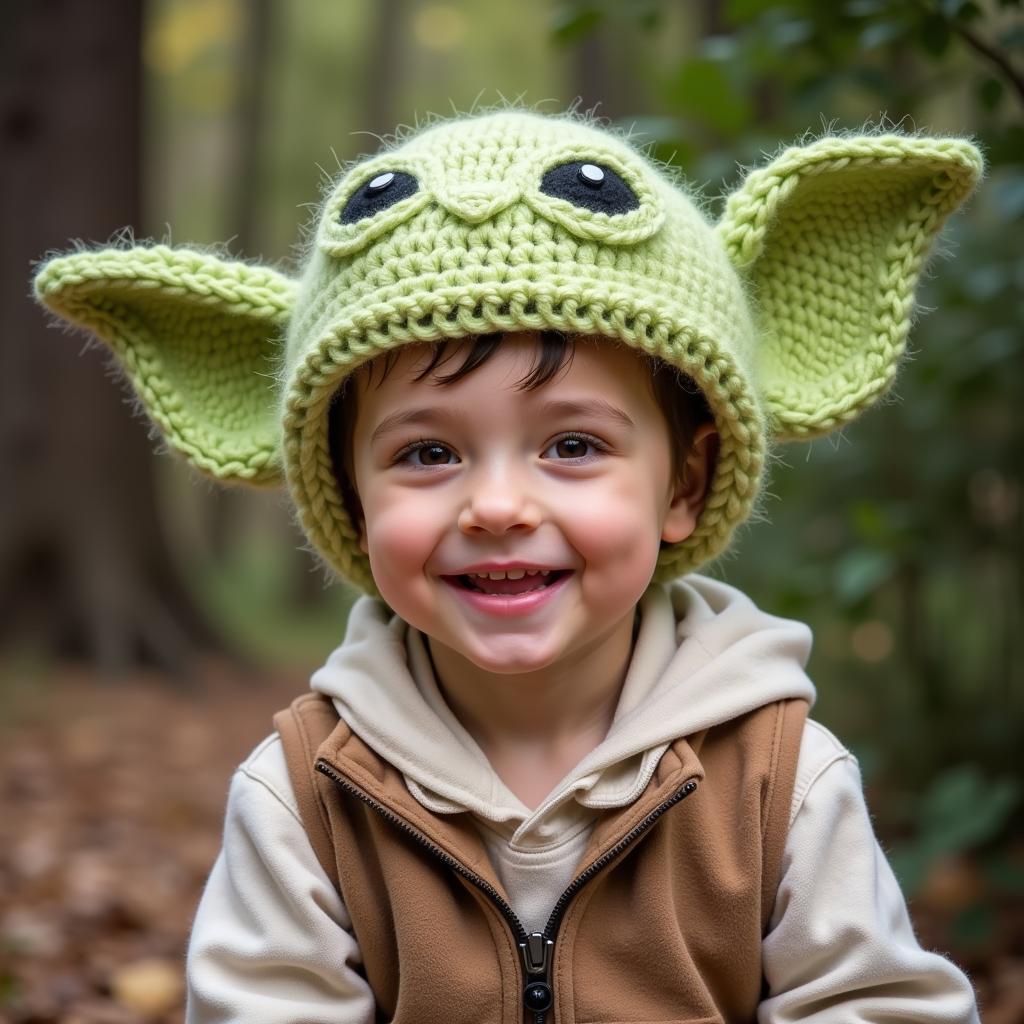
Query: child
{"x":525,"y":388}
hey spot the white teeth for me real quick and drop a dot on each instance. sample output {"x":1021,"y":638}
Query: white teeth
{"x":512,"y":574}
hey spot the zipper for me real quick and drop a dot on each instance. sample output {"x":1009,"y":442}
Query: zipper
{"x":536,"y":949}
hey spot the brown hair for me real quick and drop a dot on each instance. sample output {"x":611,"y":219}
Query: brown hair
{"x":681,"y":402}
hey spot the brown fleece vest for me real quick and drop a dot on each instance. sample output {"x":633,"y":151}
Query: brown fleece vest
{"x":663,"y":921}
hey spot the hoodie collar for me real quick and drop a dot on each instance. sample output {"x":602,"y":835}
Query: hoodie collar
{"x":704,"y":653}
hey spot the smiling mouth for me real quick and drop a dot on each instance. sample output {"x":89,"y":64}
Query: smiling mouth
{"x":506,"y":586}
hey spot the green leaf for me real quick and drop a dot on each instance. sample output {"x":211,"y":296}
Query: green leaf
{"x":703,"y":90}
{"x":881,"y":33}
{"x":653,"y":128}
{"x":649,"y":20}
{"x":571,"y":23}
{"x":935,"y":35}
{"x":787,"y":32}
{"x":1006,"y":873}
{"x":646,"y":13}
{"x":1013,"y":37}
{"x":719,"y":47}
{"x":962,"y":809}
{"x":868,"y":521}
{"x":974,"y":926}
{"x":910,"y":862}
{"x":996,"y":346}
{"x":872,"y":79}
{"x":860,"y":572}
{"x":1008,"y":195}
{"x":985,"y":282}
{"x":746,"y":10}
{"x":10,"y":988}
{"x":864,"y":8}
{"x":990,"y":93}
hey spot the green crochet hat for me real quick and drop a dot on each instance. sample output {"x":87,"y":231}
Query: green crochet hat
{"x":791,"y":312}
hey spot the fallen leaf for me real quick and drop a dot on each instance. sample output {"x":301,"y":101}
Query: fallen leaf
{"x":150,"y":986}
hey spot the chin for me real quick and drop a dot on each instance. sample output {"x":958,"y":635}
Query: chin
{"x":514,"y":661}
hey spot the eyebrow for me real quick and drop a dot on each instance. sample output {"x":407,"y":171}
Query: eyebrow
{"x":427,"y":415}
{"x":599,"y":407}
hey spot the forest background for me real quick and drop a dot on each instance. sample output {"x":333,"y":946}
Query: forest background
{"x":151,"y":622}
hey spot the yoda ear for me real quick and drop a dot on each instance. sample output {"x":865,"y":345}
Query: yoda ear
{"x":199,"y":339}
{"x":832,"y":237}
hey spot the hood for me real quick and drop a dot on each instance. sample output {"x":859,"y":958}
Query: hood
{"x":704,"y":654}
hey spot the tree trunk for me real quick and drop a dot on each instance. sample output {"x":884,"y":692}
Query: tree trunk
{"x":84,"y":570}
{"x":382,"y":77}
{"x":223,"y":509}
{"x":383,"y":67}
{"x":593,"y":75}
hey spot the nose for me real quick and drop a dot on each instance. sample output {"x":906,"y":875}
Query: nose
{"x":477,"y":202}
{"x":498,"y":501}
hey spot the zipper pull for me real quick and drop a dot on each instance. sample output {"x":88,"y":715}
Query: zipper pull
{"x":536,"y":952}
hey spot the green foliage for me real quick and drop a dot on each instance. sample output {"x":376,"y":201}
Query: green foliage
{"x":573,"y":21}
{"x":703,"y":88}
{"x":959,"y":812}
{"x":899,"y":540}
{"x":250,"y":593}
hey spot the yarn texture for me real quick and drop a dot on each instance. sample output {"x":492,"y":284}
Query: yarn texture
{"x":791,"y":312}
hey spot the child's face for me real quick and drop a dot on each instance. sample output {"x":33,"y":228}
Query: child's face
{"x":496,"y":481}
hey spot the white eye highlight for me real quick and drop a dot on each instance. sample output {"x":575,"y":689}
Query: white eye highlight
{"x":381,"y":182}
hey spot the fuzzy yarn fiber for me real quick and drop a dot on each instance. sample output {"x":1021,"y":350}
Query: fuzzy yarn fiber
{"x":790,"y":312}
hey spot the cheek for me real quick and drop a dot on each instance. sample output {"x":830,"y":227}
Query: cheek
{"x":617,"y":529}
{"x":400,"y":541}
{"x":399,"y":536}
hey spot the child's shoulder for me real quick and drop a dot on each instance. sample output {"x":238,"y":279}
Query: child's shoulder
{"x":267,"y":769}
{"x":263,"y":753}
{"x":820,"y":749}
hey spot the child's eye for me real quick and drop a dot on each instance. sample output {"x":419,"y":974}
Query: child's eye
{"x":573,"y":446}
{"x":433,"y":454}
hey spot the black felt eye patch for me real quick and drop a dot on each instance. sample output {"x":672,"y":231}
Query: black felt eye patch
{"x":378,"y":193}
{"x":592,"y":186}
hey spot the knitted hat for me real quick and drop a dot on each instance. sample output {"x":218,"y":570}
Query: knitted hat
{"x":791,"y":312}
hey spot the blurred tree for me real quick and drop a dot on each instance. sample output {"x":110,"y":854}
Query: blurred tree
{"x":225,"y":505}
{"x":83,"y":567}
{"x":384,"y":65}
{"x":251,"y":117}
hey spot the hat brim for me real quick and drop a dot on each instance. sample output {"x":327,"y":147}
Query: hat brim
{"x":356,"y":336}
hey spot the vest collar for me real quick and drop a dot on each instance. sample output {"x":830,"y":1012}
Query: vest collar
{"x":352,"y":764}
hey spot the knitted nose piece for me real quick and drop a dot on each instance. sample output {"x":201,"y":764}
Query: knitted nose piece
{"x":478,"y":202}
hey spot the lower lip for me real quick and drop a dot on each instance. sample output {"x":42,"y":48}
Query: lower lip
{"x":509,"y":605}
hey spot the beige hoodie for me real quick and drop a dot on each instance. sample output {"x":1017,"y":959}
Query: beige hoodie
{"x":272,"y":941}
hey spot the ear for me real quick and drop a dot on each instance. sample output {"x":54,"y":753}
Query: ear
{"x":199,"y":338}
{"x":691,"y":491}
{"x":832,"y":238}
